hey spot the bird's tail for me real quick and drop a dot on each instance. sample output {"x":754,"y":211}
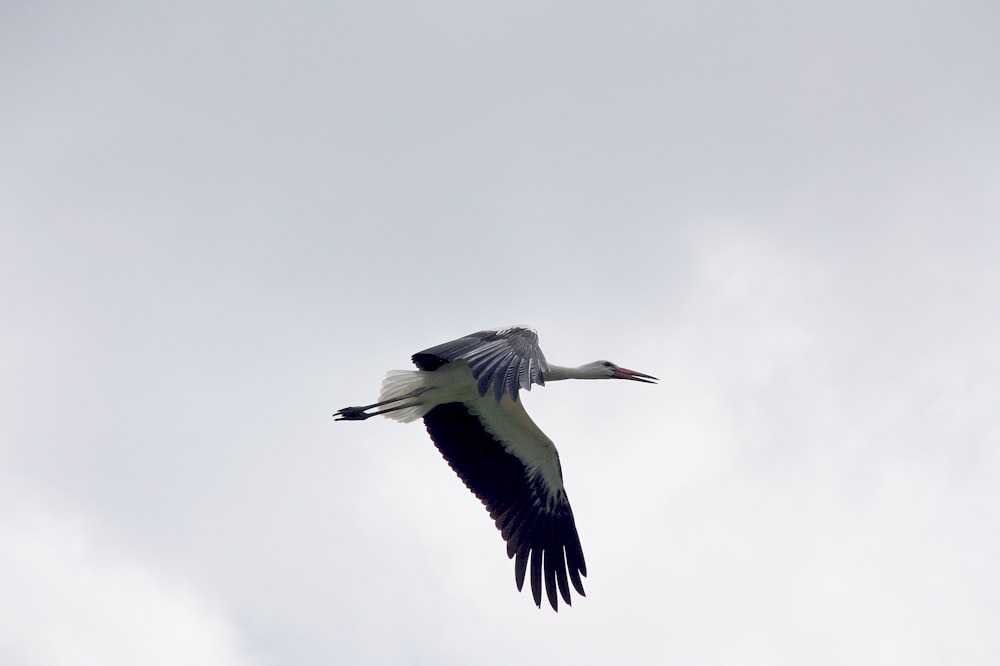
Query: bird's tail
{"x":404,"y":388}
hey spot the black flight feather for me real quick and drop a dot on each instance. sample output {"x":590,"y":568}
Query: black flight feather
{"x":532,"y":521}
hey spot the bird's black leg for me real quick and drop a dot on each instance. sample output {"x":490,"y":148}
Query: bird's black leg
{"x":361,"y":413}
{"x":352,"y":414}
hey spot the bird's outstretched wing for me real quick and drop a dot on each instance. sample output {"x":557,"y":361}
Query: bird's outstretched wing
{"x":515,"y":473}
{"x":502,"y":361}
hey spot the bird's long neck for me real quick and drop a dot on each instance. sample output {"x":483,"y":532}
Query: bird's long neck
{"x":558,"y":372}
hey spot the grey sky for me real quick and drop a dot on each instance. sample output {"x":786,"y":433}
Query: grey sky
{"x":219,"y":223}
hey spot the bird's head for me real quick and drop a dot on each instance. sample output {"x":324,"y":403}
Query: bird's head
{"x":608,"y":370}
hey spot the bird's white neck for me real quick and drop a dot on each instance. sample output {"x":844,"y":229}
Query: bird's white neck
{"x":558,"y":372}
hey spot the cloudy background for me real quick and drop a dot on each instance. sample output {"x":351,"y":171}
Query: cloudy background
{"x":220,"y":222}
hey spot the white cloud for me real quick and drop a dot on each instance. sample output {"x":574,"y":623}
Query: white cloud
{"x":219,"y":226}
{"x":74,"y":597}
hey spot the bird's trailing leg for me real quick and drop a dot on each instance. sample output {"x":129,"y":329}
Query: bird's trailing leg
{"x":362,"y":413}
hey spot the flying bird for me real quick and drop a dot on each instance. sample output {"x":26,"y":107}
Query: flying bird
{"x":466,"y":391}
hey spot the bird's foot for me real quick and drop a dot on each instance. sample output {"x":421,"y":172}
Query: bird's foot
{"x":352,"y":414}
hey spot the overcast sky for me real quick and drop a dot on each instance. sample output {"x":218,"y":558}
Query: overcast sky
{"x":221,"y":221}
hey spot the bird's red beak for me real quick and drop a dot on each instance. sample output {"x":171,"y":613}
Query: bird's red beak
{"x":625,"y":373}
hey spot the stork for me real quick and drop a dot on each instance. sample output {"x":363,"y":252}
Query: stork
{"x":466,"y":391}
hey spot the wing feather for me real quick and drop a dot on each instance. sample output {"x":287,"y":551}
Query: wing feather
{"x":503,"y":361}
{"x":529,"y":507}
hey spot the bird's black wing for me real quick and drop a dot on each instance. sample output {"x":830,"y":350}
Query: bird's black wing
{"x":535,"y":520}
{"x":502,"y":361}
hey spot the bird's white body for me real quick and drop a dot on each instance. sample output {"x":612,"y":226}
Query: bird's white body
{"x":452,"y":382}
{"x":505,"y":419}
{"x":466,"y":391}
